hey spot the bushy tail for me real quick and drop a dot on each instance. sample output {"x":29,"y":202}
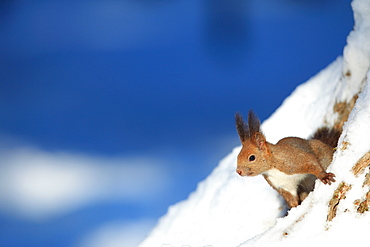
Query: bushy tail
{"x":327,"y":136}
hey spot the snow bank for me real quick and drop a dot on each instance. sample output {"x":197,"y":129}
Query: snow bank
{"x":307,"y":224}
{"x":219,"y":203}
{"x":227,"y":210}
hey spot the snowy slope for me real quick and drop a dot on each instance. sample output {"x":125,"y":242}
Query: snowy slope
{"x":227,"y":210}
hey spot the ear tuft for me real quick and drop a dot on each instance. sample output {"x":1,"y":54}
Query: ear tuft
{"x":241,"y":127}
{"x":253,"y":123}
{"x":249,"y":130}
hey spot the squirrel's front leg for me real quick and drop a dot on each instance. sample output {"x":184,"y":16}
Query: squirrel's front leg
{"x":316,"y":169}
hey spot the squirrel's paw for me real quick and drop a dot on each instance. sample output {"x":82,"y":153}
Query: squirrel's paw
{"x":327,"y":177}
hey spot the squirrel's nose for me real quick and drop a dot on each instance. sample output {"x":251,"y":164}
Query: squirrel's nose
{"x":239,"y":172}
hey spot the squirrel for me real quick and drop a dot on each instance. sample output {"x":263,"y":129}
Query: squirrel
{"x":290,"y":166}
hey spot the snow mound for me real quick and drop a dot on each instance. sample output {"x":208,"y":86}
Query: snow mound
{"x":227,"y":210}
{"x":219,"y":202}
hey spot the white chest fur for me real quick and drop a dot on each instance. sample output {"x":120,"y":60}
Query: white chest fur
{"x":280,"y":180}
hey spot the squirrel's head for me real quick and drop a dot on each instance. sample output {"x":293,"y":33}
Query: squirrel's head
{"x":253,"y":158}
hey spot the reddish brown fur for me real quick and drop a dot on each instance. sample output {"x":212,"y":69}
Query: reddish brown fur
{"x":290,"y":166}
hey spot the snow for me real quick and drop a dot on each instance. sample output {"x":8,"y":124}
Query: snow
{"x":227,"y":210}
{"x":308,"y":222}
{"x":212,"y":208}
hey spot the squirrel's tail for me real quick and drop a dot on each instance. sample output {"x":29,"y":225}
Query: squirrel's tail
{"x":327,"y":136}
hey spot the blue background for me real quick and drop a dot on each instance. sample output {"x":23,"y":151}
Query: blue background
{"x":160,"y":78}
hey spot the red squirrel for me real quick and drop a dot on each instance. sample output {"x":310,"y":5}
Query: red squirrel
{"x":290,"y":166}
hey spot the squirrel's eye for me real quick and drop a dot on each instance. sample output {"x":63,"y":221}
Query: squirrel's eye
{"x":252,"y":157}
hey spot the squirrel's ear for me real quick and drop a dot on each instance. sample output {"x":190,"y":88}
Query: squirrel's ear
{"x":241,"y":127}
{"x":260,"y":140}
{"x":253,"y":123}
